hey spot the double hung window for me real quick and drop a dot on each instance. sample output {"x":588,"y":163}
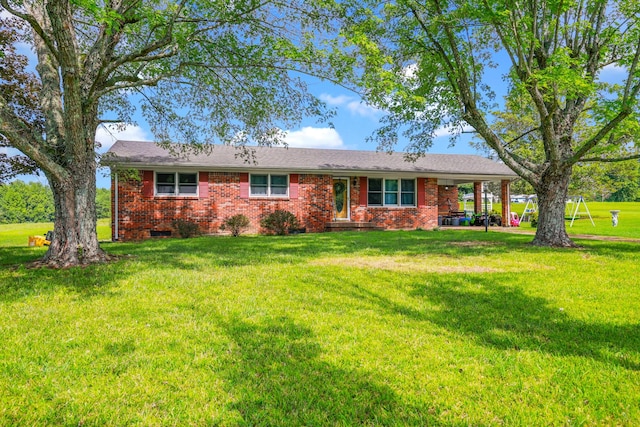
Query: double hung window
{"x":269,"y":185}
{"x":176,"y":184}
{"x":391,"y":192}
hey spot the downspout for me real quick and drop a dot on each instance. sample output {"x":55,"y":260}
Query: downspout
{"x":115,"y":209}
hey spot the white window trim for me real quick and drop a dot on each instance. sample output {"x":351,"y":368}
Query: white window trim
{"x":399,"y":192}
{"x":176,"y":184}
{"x":269,"y":195}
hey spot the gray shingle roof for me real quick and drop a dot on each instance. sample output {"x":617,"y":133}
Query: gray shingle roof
{"x":140,"y":154}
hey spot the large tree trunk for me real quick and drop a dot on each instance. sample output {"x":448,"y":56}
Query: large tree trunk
{"x":552,"y":195}
{"x":75,"y":240}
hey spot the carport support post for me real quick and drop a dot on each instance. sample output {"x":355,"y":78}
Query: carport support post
{"x":505,"y":196}
{"x":486,"y":209}
{"x":477,"y":197}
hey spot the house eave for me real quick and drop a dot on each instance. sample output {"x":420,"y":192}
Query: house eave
{"x":456,"y":178}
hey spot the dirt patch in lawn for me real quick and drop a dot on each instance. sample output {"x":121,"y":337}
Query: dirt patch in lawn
{"x":406,"y":264}
{"x":472,"y":243}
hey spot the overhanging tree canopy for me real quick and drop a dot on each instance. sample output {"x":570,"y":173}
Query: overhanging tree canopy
{"x":19,"y":89}
{"x":199,"y":70}
{"x":432,"y":63}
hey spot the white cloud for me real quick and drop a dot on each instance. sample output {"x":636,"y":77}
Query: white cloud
{"x":310,"y":137}
{"x":355,"y":106}
{"x":335,"y":100}
{"x":447,"y":131}
{"x":410,"y":72}
{"x":362,"y":109}
{"x":613,"y":73}
{"x":615,"y":69}
{"x":107,"y":135}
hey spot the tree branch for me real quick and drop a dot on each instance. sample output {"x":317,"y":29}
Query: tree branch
{"x":604,"y":130}
{"x":30,"y":18}
{"x":26,"y":139}
{"x":144,"y":51}
{"x":610,"y":160}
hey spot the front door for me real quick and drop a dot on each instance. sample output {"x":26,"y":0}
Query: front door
{"x":341,"y":198}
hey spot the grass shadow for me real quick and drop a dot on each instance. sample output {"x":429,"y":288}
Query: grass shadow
{"x":18,"y":281}
{"x":501,"y":316}
{"x":504,"y":317}
{"x":277,"y":375}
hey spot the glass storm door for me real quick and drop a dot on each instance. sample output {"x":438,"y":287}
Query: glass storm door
{"x":341,"y":198}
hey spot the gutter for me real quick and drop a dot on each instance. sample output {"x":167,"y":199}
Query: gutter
{"x":115,"y":209}
{"x":463,"y":175}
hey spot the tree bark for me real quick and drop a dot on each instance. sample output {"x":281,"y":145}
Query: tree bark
{"x":75,"y":239}
{"x":552,"y":192}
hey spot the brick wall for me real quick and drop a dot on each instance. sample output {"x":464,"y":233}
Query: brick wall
{"x":424,"y":215}
{"x":448,"y":196}
{"x":505,"y":194}
{"x":140,"y":213}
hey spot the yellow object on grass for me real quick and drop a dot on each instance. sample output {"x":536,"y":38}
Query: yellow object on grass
{"x":38,"y":241}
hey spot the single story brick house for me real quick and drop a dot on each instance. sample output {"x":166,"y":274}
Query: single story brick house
{"x":326,"y":189}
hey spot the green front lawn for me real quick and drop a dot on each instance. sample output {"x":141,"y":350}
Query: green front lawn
{"x":379,"y":328}
{"x":18,"y":234}
{"x":628,"y":225}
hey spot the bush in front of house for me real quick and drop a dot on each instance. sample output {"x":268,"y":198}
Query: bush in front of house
{"x":279,"y":222}
{"x":235,"y":224}
{"x":186,"y":229}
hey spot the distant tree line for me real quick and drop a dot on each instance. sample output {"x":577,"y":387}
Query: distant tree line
{"x":602,"y":182}
{"x":33,"y":202}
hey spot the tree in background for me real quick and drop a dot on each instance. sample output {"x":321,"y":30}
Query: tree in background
{"x":431,"y":64}
{"x":615,"y":182}
{"x":201,"y":71}
{"x":628,"y":189}
{"x":33,"y":202}
{"x":22,"y":202}
{"x":103,"y":203}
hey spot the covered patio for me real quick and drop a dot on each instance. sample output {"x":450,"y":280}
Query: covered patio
{"x":451,"y":214}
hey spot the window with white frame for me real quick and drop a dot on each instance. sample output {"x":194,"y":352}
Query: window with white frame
{"x":391,"y":192}
{"x":268,"y":185}
{"x":176,"y":183}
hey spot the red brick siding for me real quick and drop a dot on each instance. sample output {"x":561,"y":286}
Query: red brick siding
{"x":477,"y":197}
{"x":397,"y":218}
{"x":138,"y":215}
{"x":446,"y":195}
{"x":505,"y":194}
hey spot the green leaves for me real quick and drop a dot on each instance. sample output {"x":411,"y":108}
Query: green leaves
{"x":563,"y":76}
{"x":552,"y":53}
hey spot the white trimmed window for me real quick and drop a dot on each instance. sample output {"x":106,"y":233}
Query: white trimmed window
{"x":391,"y":192}
{"x":176,"y":183}
{"x":268,"y":185}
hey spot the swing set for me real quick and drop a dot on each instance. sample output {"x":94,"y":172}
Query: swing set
{"x":574,"y":207}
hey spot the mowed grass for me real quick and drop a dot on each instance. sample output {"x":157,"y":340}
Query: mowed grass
{"x":381,"y":328}
{"x":18,"y":234}
{"x":628,"y":219}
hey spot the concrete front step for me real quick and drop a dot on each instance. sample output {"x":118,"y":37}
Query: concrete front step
{"x":351,"y":226}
